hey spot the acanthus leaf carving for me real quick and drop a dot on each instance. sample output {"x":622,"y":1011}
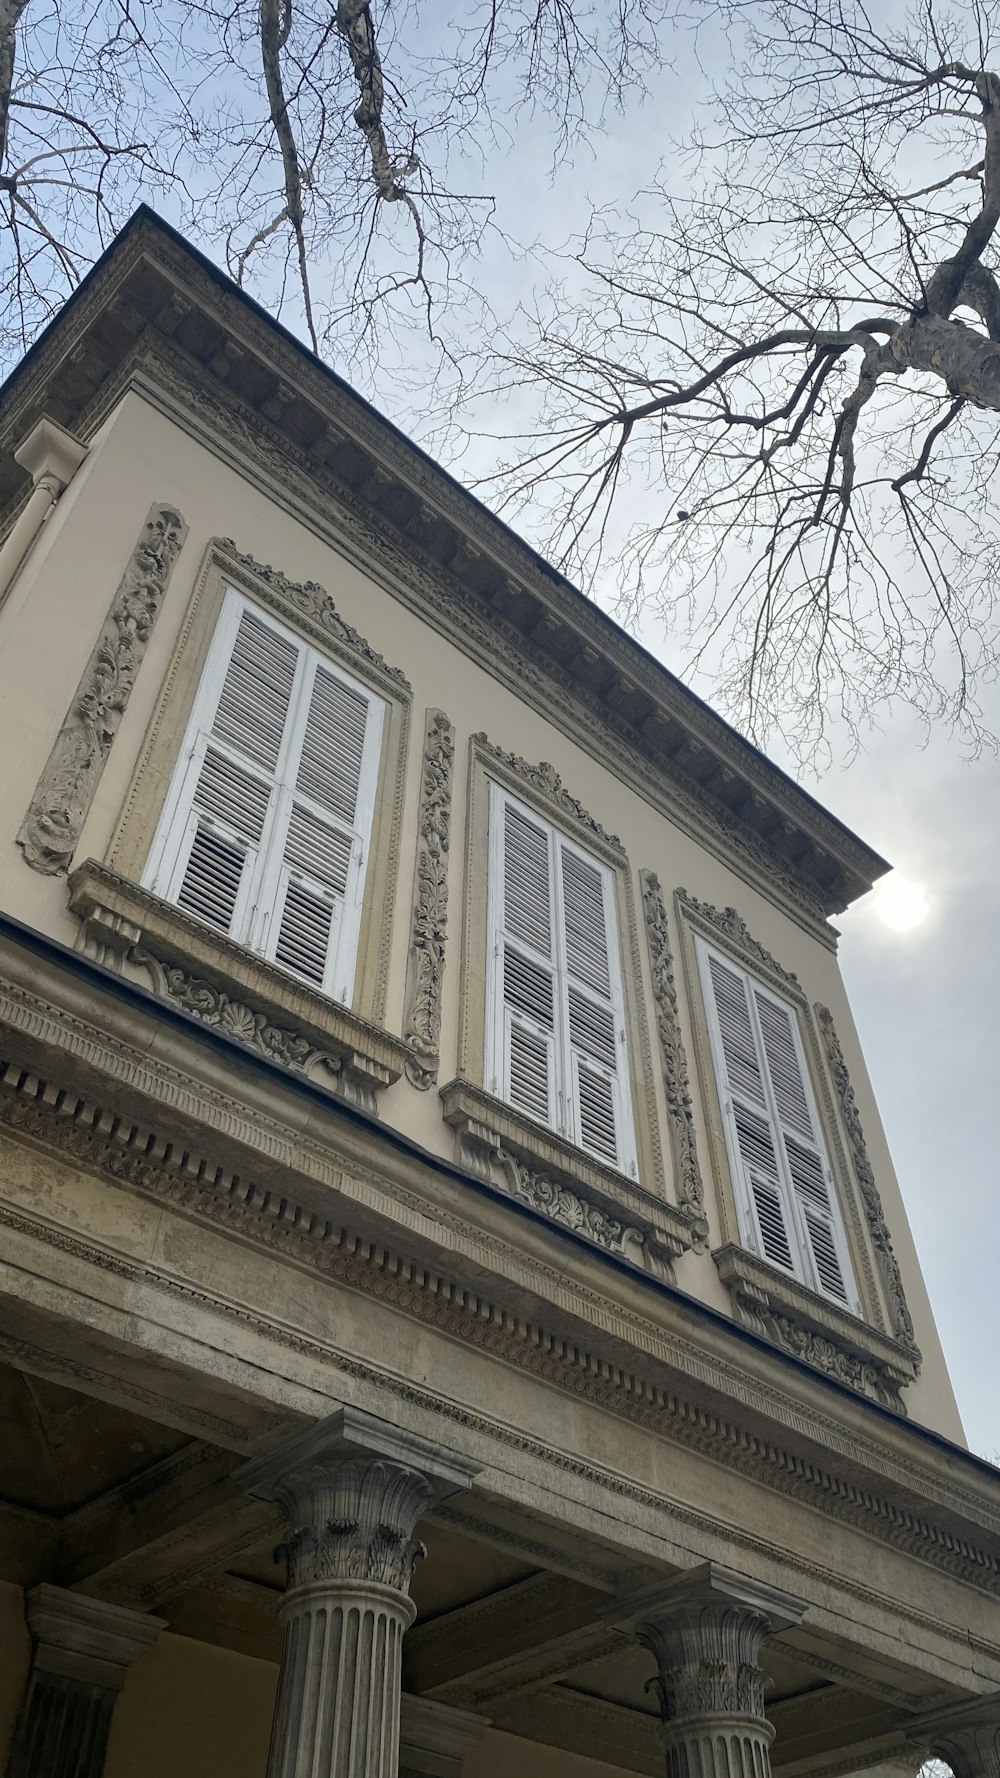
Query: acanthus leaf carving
{"x":312,"y":601}
{"x":428,"y":933}
{"x":54,"y":820}
{"x":878,"y":1228}
{"x":549,"y":1195}
{"x":730,"y":924}
{"x":545,"y":780}
{"x":690,"y":1189}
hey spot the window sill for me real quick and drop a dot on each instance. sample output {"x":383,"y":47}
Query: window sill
{"x":816,"y":1330}
{"x":539,"y":1168}
{"x":225,"y":985}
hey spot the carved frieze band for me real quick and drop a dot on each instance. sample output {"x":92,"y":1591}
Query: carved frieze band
{"x":545,"y":781}
{"x":428,"y":931}
{"x":878,"y":1228}
{"x":687,"y":1173}
{"x":57,"y":811}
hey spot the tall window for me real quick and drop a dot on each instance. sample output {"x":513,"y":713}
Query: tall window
{"x":555,"y":1045}
{"x":266,"y":826}
{"x":785,"y":1194}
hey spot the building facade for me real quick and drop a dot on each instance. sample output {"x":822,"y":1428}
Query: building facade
{"x":458,"y":1313}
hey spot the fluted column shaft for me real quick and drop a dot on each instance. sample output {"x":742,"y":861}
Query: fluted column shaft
{"x":82,"y":1650}
{"x":352,"y":1490}
{"x":705,"y":1632}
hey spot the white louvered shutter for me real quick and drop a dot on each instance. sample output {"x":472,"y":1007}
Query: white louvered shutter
{"x":314,"y":893}
{"x":218,"y":817}
{"x":265,"y":831}
{"x":594,"y":1023}
{"x":808,"y":1170}
{"x":784,"y":1188}
{"x":522,"y":1064}
{"x":555,"y":1025}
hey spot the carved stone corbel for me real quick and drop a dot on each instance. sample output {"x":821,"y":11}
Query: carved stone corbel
{"x":428,"y":931}
{"x":54,"y":820}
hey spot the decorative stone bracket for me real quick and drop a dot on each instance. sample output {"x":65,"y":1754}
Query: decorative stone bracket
{"x":227,"y":987}
{"x":541,"y":1169}
{"x":815,"y":1329}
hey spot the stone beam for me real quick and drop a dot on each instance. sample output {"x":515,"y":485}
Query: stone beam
{"x":162,"y":1528}
{"x":498,"y":1641}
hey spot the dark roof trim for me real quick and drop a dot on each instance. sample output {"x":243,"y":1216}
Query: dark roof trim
{"x":73,"y":963}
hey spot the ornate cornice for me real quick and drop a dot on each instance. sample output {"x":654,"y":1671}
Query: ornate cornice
{"x":545,"y":783}
{"x":54,"y":820}
{"x":676,"y":1081}
{"x":161,"y":296}
{"x":429,"y":924}
{"x":231,"y":989}
{"x":33,"y":1109}
{"x":878,"y":1228}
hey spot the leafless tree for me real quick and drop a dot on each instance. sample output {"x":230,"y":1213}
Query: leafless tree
{"x":336,"y":153}
{"x":788,"y":352}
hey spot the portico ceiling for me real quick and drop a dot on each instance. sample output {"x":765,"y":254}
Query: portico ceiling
{"x":122,"y":1506}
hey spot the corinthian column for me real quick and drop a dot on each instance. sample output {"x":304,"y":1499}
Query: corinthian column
{"x":352,"y":1490}
{"x":704,"y":1631}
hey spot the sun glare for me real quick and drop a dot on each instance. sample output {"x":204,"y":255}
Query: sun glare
{"x":900,"y":904}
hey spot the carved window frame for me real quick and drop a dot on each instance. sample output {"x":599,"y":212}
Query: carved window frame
{"x":727,"y":933}
{"x":539,"y":788}
{"x":309,"y":611}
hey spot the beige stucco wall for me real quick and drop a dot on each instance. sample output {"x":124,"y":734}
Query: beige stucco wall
{"x":47,"y":630}
{"x":190,"y":1707}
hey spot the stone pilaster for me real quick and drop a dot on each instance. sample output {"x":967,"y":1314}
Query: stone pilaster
{"x":704,"y":1630}
{"x":82,"y":1651}
{"x":352,"y":1490}
{"x":966,"y":1735}
{"x":435,"y":1738}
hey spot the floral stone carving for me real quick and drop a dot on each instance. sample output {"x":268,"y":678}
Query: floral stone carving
{"x":54,"y":821}
{"x":878,"y":1228}
{"x":690,"y":1189}
{"x":422,"y":1028}
{"x":544,"y":779}
{"x":552,"y":1198}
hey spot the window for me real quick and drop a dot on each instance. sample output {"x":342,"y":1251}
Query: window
{"x":785,"y":1195}
{"x":266,"y":826}
{"x":555,"y":1026}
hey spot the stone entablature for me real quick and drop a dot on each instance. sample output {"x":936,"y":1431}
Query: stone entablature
{"x":658,"y":1363}
{"x":232,"y":989}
